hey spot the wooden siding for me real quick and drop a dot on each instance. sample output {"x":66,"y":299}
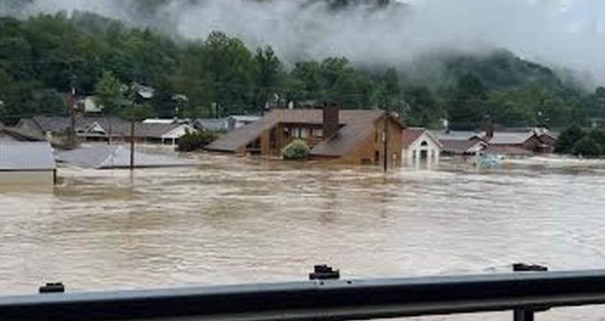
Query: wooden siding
{"x":365,"y":153}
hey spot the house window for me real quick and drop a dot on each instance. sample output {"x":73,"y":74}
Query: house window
{"x":424,"y":143}
{"x":305,"y":133}
{"x":296,"y":132}
{"x":318,"y":132}
{"x":376,"y":157}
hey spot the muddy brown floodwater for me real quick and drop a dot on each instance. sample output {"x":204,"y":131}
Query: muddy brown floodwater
{"x":238,"y":221}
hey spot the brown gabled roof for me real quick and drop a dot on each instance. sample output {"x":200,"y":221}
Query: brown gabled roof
{"x":357,"y":125}
{"x":410,"y":135}
{"x":347,"y":138}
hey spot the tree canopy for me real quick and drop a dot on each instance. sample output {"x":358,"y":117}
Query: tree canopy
{"x":42,"y":56}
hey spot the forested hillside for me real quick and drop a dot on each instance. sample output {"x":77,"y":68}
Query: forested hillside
{"x":41,"y":57}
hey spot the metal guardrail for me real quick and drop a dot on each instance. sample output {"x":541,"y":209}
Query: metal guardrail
{"x":325,"y":298}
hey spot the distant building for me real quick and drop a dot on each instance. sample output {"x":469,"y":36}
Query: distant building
{"x":344,"y":136}
{"x":13,"y":134}
{"x":56,"y":129}
{"x":237,"y":121}
{"x":210,"y":124}
{"x":512,"y":142}
{"x":90,"y":105}
{"x":463,"y":143}
{"x":27,"y":163}
{"x":523,"y":143}
{"x":419,"y":145}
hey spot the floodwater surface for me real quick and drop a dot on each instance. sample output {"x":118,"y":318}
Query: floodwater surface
{"x":233,"y":220}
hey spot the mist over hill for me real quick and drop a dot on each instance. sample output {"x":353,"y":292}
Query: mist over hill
{"x":368,"y":32}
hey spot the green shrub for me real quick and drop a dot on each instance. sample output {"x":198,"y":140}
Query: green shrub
{"x":296,"y":150}
{"x":568,"y":139}
{"x":587,"y":147}
{"x":195,"y":140}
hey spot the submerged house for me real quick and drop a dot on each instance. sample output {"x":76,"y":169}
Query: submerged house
{"x":520,"y":143}
{"x":27,"y":163}
{"x":211,"y":124}
{"x":344,"y":136}
{"x":117,"y":157}
{"x":419,"y":145}
{"x":56,"y":128}
{"x":13,"y":134}
{"x":511,"y":142}
{"x":91,"y":129}
{"x":236,"y":121}
{"x":460,"y":142}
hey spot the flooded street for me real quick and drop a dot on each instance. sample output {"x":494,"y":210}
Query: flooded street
{"x":239,"y":221}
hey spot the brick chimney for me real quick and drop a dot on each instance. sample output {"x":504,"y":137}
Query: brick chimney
{"x":489,"y":130}
{"x":331,"y":120}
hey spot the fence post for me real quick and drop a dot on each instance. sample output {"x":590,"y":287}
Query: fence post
{"x":526,"y":314}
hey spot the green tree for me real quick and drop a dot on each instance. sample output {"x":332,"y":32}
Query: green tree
{"x":269,"y":75}
{"x":467,"y":107}
{"x":587,"y":147}
{"x":568,"y":139}
{"x":109,"y":93}
{"x":229,"y":68}
{"x":424,"y":108}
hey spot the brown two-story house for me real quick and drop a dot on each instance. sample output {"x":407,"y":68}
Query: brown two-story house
{"x":334,"y":134}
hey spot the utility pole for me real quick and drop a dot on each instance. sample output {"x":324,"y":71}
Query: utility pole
{"x":136,"y":91}
{"x":72,"y":114}
{"x":385,"y":139}
{"x":132,"y":98}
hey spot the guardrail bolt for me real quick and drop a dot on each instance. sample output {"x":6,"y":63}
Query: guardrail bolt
{"x":324,"y":272}
{"x":52,"y":288}
{"x":527,"y":314}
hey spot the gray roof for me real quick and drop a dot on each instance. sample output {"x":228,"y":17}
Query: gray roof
{"x":117,"y":126}
{"x":458,"y":146}
{"x":456,"y":135}
{"x":153,"y":130}
{"x":245,"y":118}
{"x":117,"y":156}
{"x":22,"y":134}
{"x":211,"y":124}
{"x":26,"y":156}
{"x":510,"y":138}
{"x":60,"y":123}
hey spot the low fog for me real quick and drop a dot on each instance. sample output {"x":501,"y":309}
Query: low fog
{"x":560,"y":33}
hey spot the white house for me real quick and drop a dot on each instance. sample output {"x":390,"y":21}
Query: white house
{"x":420,"y":145}
{"x":174,"y":134}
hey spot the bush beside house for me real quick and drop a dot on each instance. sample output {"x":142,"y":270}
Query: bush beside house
{"x":296,"y":150}
{"x":195,"y":140}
